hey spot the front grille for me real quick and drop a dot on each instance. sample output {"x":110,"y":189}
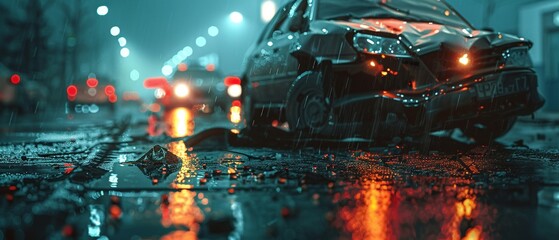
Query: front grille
{"x":444,"y":64}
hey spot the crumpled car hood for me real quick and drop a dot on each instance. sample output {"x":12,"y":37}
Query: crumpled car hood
{"x":428,"y":37}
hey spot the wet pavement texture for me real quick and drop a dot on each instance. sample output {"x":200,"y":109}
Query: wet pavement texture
{"x":132,"y":178}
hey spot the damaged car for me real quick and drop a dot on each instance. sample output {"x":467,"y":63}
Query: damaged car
{"x":384,"y":69}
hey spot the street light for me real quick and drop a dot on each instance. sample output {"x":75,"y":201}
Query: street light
{"x":213,"y":31}
{"x":167,"y":70}
{"x":236,"y":17}
{"x":268,"y":10}
{"x":134,"y":75}
{"x":102,"y":10}
{"x":122,"y":41}
{"x":201,"y":41}
{"x":115,"y":31}
{"x":188,"y":51}
{"x":124,"y":52}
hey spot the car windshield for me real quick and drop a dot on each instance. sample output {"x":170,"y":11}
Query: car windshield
{"x":409,"y":10}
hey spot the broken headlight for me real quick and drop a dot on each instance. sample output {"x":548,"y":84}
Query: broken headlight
{"x":379,"y":45}
{"x":517,"y":57}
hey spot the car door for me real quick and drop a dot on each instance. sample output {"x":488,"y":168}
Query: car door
{"x":282,"y":67}
{"x":260,"y":58}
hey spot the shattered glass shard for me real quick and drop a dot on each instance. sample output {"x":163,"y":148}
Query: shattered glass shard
{"x":158,"y":163}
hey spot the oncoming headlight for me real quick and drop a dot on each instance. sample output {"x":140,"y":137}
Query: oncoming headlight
{"x":235,"y":91}
{"x":379,"y":45}
{"x":181,"y":90}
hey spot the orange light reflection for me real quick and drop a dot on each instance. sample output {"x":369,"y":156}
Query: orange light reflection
{"x":180,"y":122}
{"x":180,"y":208}
{"x":188,"y":169}
{"x":379,"y":211}
{"x":370,"y":219}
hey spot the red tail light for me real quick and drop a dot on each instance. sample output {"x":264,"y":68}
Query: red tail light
{"x":72,"y":91}
{"x":15,"y":79}
{"x":113,"y":98}
{"x":231,"y":80}
{"x":236,"y":103}
{"x":156,"y":82}
{"x":182,"y":67}
{"x":92,"y":82}
{"x":110,"y":90}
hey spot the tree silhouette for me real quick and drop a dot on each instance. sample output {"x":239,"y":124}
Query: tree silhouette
{"x":25,"y":39}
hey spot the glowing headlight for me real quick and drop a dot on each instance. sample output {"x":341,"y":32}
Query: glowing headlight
{"x":181,"y":90}
{"x":235,"y":90}
{"x":379,"y":45}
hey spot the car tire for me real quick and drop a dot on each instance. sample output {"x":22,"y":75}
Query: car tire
{"x":486,"y":132}
{"x":307,"y":109}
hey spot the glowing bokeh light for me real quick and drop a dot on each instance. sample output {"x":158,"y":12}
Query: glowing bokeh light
{"x":213,"y":31}
{"x":134,"y":75}
{"x":124,"y":52}
{"x":122,"y":41}
{"x":201,"y":41}
{"x":167,"y":70}
{"x":236,"y":17}
{"x":268,"y":10}
{"x":102,"y":10}
{"x":115,"y":31}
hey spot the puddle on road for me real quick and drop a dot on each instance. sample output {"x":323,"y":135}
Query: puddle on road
{"x":171,"y":192}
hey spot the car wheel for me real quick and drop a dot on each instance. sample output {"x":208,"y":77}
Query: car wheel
{"x":485,"y":132}
{"x":307,"y":109}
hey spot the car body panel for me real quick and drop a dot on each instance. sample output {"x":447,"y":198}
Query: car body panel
{"x":428,"y":80}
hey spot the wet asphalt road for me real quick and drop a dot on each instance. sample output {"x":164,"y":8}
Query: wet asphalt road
{"x":134,"y":177}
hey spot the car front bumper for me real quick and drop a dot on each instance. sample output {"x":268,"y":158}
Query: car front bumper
{"x":447,"y":105}
{"x":487,"y":97}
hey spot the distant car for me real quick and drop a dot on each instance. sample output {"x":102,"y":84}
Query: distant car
{"x":91,"y":95}
{"x":384,"y":68}
{"x":191,"y":86}
{"x":232,"y":100}
{"x":19,"y":93}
